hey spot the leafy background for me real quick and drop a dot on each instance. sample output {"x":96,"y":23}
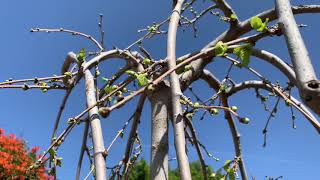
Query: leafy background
{"x":30,"y":115}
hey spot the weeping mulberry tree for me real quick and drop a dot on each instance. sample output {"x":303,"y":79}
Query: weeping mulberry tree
{"x":167,"y":84}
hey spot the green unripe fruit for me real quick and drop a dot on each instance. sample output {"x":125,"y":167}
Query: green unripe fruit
{"x":212,"y":175}
{"x":196,"y":105}
{"x":104,"y":112}
{"x":146,"y":61}
{"x":98,"y":73}
{"x":124,"y":90}
{"x":214,"y":111}
{"x":245,"y":120}
{"x":234,"y":108}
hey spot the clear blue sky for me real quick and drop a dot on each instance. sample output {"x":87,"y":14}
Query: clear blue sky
{"x":30,"y":115}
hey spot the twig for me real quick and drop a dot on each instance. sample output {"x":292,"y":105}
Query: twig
{"x":75,"y":33}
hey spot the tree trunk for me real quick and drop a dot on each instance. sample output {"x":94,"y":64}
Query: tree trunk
{"x":159,"y":134}
{"x":97,"y":137}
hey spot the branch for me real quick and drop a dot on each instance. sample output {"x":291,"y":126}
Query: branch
{"x":213,"y":83}
{"x":227,"y":10}
{"x":62,"y":106}
{"x":235,"y":33}
{"x":307,"y":82}
{"x":75,"y":33}
{"x":132,"y":135}
{"x":260,"y":84}
{"x":83,"y":148}
{"x":197,"y":145}
{"x":178,"y":124}
{"x":97,"y":137}
{"x":276,"y":62}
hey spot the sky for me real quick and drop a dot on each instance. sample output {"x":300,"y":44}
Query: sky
{"x":290,"y":153}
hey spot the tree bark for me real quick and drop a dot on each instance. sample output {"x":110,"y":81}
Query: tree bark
{"x":97,"y":137}
{"x":307,"y":82}
{"x":159,"y":134}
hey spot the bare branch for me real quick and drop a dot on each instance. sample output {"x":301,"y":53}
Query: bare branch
{"x":298,"y":105}
{"x":197,"y":145}
{"x":75,"y":33}
{"x":210,"y":79}
{"x":83,"y":148}
{"x":132,"y":135}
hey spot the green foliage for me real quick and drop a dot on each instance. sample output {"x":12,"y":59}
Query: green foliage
{"x":142,"y":78}
{"x":257,"y":24}
{"x":81,"y":57}
{"x":233,"y":17}
{"x":141,"y":171}
{"x":146,"y":61}
{"x":68,"y":74}
{"x":108,"y":89}
{"x":226,"y":172}
{"x":243,"y":52}
{"x":220,"y":48}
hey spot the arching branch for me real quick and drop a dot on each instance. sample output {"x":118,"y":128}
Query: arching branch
{"x":260,"y":84}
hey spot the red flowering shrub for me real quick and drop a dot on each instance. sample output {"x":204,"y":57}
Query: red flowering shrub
{"x":15,"y":159}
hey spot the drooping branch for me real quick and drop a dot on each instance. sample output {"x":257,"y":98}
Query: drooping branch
{"x":228,"y":11}
{"x":234,"y":33}
{"x":178,"y":123}
{"x":276,"y":62}
{"x":97,"y":137}
{"x":196,"y":143}
{"x":307,"y":82}
{"x":132,"y":135}
{"x":294,"y":102}
{"x":83,"y":148}
{"x":62,"y":106}
{"x":213,"y":83}
{"x":75,"y":33}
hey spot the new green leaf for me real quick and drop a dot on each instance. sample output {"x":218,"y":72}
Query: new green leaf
{"x":142,"y":79}
{"x":243,"y":52}
{"x":257,"y":24}
{"x":220,"y":49}
{"x":82,"y":55}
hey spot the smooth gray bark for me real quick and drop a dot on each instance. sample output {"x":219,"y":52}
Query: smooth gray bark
{"x":97,"y":137}
{"x":178,"y":123}
{"x":159,"y":134}
{"x":308,"y":84}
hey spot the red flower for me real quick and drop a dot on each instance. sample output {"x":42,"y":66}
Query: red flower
{"x":35,"y":149}
{"x":15,"y":159}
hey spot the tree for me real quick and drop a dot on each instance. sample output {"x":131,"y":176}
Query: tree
{"x":141,"y":171}
{"x":147,"y":78}
{"x":15,"y":159}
